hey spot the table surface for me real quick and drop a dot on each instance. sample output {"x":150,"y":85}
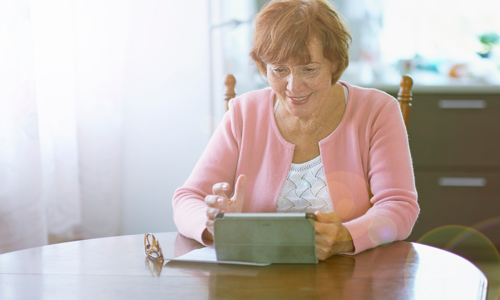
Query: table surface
{"x":115,"y":268}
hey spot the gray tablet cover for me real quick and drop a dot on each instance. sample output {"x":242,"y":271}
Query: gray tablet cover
{"x":265,"y":237}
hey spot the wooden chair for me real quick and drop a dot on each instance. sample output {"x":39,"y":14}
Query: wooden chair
{"x":404,"y":94}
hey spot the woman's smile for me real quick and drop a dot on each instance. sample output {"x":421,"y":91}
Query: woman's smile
{"x":299,"y":100}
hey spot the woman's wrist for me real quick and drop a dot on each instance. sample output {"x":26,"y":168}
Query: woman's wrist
{"x":346,"y":240}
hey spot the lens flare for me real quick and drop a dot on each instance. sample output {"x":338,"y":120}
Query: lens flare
{"x":382,"y":230}
{"x":345,"y":208}
{"x":468,"y":242}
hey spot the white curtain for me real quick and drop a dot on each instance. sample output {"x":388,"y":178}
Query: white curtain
{"x":61,"y":89}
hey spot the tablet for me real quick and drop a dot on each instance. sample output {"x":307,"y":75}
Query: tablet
{"x":265,"y":237}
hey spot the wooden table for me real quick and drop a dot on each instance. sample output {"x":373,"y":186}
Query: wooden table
{"x":115,"y":268}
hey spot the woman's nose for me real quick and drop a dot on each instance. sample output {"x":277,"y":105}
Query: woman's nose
{"x":295,"y":83}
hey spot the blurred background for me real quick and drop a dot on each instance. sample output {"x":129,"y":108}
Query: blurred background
{"x":106,"y":106}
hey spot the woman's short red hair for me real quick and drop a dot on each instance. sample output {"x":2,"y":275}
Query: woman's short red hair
{"x":285,"y":30}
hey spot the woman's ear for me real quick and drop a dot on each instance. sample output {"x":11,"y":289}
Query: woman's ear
{"x":334,"y":67}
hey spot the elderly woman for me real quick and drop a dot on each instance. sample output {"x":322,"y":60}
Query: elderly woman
{"x":309,"y":143}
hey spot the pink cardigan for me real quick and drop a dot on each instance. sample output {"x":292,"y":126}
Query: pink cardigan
{"x":366,"y":160}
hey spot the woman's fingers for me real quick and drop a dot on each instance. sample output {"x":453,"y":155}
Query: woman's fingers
{"x":211,"y":212}
{"x":324,"y":241}
{"x":216,"y":201}
{"x":220,"y":203}
{"x":327,"y":224}
{"x":323,"y":246}
{"x":210,"y":226}
{"x":331,"y":236}
{"x":326,"y":230}
{"x":220,"y":189}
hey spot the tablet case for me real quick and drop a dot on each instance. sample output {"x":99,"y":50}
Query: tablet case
{"x":265,"y":237}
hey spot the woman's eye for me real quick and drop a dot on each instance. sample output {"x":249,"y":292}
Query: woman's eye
{"x":310,"y":70}
{"x":280,"y":72}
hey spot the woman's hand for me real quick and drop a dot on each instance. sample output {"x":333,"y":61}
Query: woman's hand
{"x":331,"y":236}
{"x":220,"y":203}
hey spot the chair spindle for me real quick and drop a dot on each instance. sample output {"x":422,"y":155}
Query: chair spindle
{"x":229,"y":93}
{"x":405,"y":98}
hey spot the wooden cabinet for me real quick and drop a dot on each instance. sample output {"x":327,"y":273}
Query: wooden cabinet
{"x":464,"y":198}
{"x":455,"y":146}
{"x":455,"y":130}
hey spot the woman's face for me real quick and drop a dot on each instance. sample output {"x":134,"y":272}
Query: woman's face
{"x":303,"y":89}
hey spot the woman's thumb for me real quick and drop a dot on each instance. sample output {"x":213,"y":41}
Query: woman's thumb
{"x":327,"y":217}
{"x":240,"y":188}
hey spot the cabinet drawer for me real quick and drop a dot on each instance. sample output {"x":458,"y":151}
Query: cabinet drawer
{"x":455,"y":130}
{"x":464,"y":199}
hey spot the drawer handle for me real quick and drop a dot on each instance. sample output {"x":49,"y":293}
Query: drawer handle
{"x":461,"y":104}
{"x":461,"y":181}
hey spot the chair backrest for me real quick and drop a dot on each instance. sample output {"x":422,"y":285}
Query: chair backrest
{"x":404,"y":94}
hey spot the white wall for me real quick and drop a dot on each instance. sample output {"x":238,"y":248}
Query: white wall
{"x":166,"y":101}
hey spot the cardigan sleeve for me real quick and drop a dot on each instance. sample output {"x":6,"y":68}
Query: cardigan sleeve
{"x":217,"y":164}
{"x":394,"y":207}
